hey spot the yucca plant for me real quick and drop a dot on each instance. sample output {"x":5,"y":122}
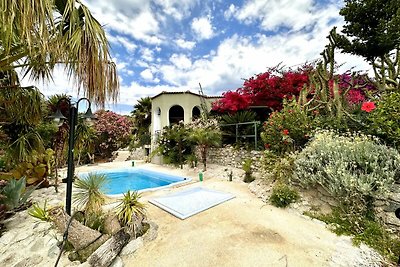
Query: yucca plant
{"x":39,"y":212}
{"x":131,"y":211}
{"x":89,"y":193}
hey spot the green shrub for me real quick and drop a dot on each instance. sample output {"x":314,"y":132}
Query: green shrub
{"x":175,"y":145}
{"x":385,"y":119}
{"x":283,"y":195}
{"x":248,"y":177}
{"x":351,"y":167}
{"x":288,"y":129}
{"x":278,"y":168}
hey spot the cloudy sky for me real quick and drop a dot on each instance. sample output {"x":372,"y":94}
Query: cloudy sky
{"x":173,"y":45}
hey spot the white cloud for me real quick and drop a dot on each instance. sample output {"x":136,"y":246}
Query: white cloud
{"x":147,"y":54}
{"x":125,"y":42}
{"x":185,"y":44}
{"x":133,"y":18}
{"x":277,"y":13}
{"x":181,"y":61}
{"x":202,"y":28}
{"x":147,"y":75}
{"x":230,"y":12}
{"x":178,"y":9}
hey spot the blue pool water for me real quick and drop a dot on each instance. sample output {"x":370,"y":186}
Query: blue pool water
{"x":121,"y":180}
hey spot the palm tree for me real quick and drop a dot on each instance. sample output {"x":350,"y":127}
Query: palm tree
{"x":141,"y":120}
{"x":37,"y":35}
{"x":205,"y":138}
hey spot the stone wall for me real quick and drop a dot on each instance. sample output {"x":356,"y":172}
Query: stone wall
{"x":385,"y":208}
{"x":234,"y":157}
{"x":138,"y":154}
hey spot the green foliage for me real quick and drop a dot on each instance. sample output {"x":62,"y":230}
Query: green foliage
{"x":350,"y":167}
{"x":288,"y":129}
{"x":278,"y":168}
{"x":85,"y":141}
{"x":192,"y":160}
{"x":282,"y":195}
{"x":205,"y":135}
{"x":36,"y":168}
{"x":248,"y":177}
{"x":39,"y":212}
{"x":141,"y":116}
{"x":89,"y":193}
{"x":15,"y":194}
{"x":364,"y":228}
{"x":47,"y":131}
{"x":371,"y":27}
{"x":175,"y":145}
{"x":129,"y":208}
{"x":23,"y":147}
{"x":385,"y":119}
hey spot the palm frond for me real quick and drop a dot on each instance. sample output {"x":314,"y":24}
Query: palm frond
{"x":89,"y":193}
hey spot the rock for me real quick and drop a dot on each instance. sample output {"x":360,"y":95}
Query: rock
{"x":132,"y":246}
{"x":117,"y":262}
{"x":391,"y":219}
{"x":31,"y":261}
{"x":151,"y":233}
{"x":111,"y":224}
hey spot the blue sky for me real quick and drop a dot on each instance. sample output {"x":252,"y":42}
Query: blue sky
{"x":172,"y":45}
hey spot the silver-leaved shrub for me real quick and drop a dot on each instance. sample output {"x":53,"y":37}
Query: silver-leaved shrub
{"x":347,"y":166}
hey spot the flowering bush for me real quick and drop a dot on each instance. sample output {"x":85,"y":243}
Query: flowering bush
{"x":385,"y":118}
{"x":113,"y":131}
{"x":357,"y":86}
{"x":288,"y":129}
{"x":265,"y":89}
{"x":231,"y":102}
{"x":350,"y":167}
{"x":175,"y":145}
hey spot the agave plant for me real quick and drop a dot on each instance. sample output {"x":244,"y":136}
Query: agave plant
{"x":131,"y":211}
{"x":15,"y":194}
{"x":89,"y":193}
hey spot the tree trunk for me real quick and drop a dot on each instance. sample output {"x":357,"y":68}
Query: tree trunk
{"x":106,"y":253}
{"x":203,"y":152}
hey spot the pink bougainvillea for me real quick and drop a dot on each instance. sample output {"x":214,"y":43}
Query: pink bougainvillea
{"x":113,"y":131}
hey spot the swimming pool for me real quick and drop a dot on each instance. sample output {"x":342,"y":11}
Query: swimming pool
{"x":122,"y":180}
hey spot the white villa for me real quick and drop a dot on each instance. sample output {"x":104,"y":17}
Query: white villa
{"x":171,"y":107}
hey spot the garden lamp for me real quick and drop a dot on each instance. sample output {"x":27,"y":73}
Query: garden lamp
{"x":72,"y":121}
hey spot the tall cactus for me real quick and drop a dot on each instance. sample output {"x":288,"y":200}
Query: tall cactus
{"x":324,"y":96}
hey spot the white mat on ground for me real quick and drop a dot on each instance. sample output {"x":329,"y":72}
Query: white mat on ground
{"x":190,"y":202}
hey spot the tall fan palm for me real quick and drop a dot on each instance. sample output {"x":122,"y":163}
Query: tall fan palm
{"x":142,"y":119}
{"x":37,"y":35}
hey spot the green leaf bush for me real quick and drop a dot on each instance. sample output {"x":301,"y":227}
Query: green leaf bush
{"x":288,"y":130}
{"x":347,"y":166}
{"x":283,"y":195}
{"x":385,"y":119}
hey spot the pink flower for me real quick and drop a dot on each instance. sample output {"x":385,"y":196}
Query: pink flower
{"x":368,"y":106}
